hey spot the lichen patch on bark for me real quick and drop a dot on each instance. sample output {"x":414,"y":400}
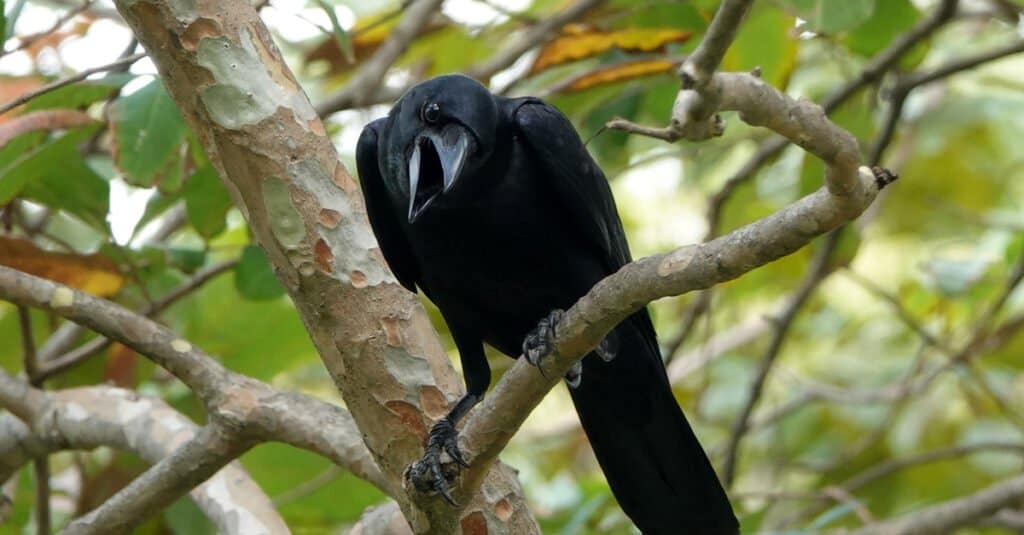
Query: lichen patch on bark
{"x":285,"y":220}
{"x":243,"y":92}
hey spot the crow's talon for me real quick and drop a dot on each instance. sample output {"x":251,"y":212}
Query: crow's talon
{"x":430,"y":474}
{"x":574,"y":376}
{"x":608,"y":348}
{"x":540,"y":342}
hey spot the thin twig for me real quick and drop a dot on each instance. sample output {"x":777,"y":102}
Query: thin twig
{"x":52,"y":86}
{"x":720,"y":34}
{"x":41,"y":466}
{"x":369,"y":76}
{"x":97,"y":345}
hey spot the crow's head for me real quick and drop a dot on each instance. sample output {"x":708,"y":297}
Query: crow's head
{"x":442,"y":129}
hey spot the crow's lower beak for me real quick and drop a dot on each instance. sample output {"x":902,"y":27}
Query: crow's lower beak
{"x":435,"y":165}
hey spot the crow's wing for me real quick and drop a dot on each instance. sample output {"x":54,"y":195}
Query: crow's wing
{"x":386,"y":226}
{"x":574,"y":177}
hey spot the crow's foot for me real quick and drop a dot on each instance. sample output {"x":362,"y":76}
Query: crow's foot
{"x":430,"y":474}
{"x":540,"y":342}
{"x":574,"y":376}
{"x":608,"y":348}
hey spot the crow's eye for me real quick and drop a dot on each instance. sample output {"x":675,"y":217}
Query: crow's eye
{"x":431,"y":113}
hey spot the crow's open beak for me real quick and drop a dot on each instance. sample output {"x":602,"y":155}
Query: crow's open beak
{"x":434,"y":165}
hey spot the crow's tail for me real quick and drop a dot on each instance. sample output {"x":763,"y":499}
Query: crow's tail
{"x":653,"y":462}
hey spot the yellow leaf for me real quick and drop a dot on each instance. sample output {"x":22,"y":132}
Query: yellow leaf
{"x":578,"y":42}
{"x":95,"y":274}
{"x":618,"y":73}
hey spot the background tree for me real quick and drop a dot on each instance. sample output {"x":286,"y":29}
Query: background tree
{"x":870,"y":381}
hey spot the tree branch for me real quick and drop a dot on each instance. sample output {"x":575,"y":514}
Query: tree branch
{"x":57,"y":365}
{"x":948,"y":516}
{"x":360,"y":89}
{"x":191,"y":463}
{"x":720,"y":34}
{"x":255,"y":410}
{"x":85,"y":418}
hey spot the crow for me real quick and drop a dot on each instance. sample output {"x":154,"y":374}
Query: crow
{"x":493,"y":207}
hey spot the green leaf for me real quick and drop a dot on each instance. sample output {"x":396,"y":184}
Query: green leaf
{"x":340,"y":35}
{"x":831,"y":16}
{"x":890,"y":19}
{"x":186,"y":260}
{"x":254,"y":278}
{"x":80,"y":94}
{"x":56,"y":175}
{"x":148,"y":132}
{"x":765,"y":40}
{"x":206,"y":202}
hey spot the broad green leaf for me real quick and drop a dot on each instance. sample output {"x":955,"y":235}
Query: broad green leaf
{"x":766,"y":41}
{"x":19,"y":147}
{"x":831,"y":16}
{"x":186,"y":260}
{"x":173,"y":176}
{"x":55,"y":174}
{"x":681,"y":15}
{"x":889,"y":19}
{"x":206,"y":202}
{"x":254,"y":278}
{"x":3,"y":20}
{"x":80,"y":94}
{"x":148,"y":132}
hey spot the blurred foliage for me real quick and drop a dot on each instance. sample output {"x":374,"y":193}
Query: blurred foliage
{"x":86,"y":203}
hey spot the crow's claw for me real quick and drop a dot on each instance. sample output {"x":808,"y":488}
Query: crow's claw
{"x":540,"y":342}
{"x":608,"y":348}
{"x":574,"y":376}
{"x":430,"y":474}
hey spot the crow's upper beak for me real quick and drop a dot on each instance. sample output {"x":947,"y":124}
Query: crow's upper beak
{"x":435,"y":164}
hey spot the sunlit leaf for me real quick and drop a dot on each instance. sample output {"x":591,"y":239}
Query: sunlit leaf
{"x":577,"y":43}
{"x":148,"y":131}
{"x":93,"y":273}
{"x":619,"y":72}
